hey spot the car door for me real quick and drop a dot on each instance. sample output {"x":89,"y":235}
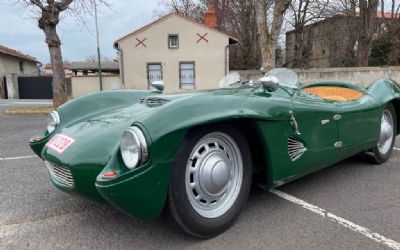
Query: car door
{"x":317,"y":130}
{"x":358,"y":121}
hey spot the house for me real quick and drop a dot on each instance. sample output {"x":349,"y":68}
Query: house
{"x":92,"y":68}
{"x":48,"y":69}
{"x":14,"y":63}
{"x":331,"y":42}
{"x":180,"y":51}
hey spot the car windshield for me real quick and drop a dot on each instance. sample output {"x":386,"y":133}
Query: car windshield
{"x":230,"y":79}
{"x":286,"y":77}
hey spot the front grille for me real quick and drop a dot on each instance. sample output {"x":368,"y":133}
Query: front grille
{"x":60,"y":174}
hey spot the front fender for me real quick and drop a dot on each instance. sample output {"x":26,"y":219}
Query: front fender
{"x":206,"y":109}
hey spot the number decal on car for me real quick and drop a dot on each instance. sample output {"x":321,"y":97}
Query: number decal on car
{"x":60,"y":143}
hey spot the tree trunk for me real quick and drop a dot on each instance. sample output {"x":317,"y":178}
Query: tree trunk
{"x":264,"y":40}
{"x":368,"y":10}
{"x":279,"y":12}
{"x":269,"y":40}
{"x":60,"y":95}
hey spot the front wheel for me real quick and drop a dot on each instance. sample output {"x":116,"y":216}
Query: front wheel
{"x":210,"y":180}
{"x":383,"y":149}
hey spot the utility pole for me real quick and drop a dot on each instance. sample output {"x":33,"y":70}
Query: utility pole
{"x":98,"y":46}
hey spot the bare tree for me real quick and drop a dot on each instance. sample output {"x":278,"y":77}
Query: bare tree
{"x":368,"y":10}
{"x":189,"y":8}
{"x":47,"y":13}
{"x":390,"y":32}
{"x":241,"y":21}
{"x":94,"y":59}
{"x":269,"y":37}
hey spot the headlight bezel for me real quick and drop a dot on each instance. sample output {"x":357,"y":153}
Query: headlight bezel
{"x":53,"y":117}
{"x":141,"y":142}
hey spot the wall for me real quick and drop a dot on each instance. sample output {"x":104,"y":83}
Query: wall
{"x":82,"y":85}
{"x":209,"y":57}
{"x":361,"y":76}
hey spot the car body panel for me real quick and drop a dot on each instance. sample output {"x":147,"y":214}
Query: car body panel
{"x":96,"y":123}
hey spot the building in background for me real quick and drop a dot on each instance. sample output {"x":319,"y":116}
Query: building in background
{"x":182,"y":52}
{"x":14,"y":63}
{"x":92,"y":68}
{"x":85,"y":77}
{"x":331,"y":42}
{"x":48,"y":70}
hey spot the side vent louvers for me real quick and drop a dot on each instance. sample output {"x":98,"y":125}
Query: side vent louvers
{"x":295,"y":149}
{"x":155,"y":102}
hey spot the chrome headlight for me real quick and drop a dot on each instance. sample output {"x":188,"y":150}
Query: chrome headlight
{"x":133,"y":147}
{"x":53,"y":119}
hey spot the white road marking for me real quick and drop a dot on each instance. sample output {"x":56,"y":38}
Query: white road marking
{"x":18,"y":158}
{"x":397,"y":149}
{"x":348,"y":224}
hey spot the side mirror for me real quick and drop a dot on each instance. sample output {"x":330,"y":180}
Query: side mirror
{"x":158,"y":85}
{"x":270,"y":83}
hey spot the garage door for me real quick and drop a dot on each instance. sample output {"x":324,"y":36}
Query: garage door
{"x":35,"y":87}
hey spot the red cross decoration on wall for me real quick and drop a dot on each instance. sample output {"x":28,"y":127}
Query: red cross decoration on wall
{"x":202,"y":37}
{"x":141,"y":42}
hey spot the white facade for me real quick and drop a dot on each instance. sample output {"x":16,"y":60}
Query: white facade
{"x":181,"y":52}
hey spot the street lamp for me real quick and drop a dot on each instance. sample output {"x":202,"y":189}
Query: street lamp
{"x":98,"y":45}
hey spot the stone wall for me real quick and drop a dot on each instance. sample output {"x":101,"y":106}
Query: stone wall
{"x":361,"y":76}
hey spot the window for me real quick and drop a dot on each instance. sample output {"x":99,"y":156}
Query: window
{"x":21,"y":67}
{"x":187,"y":75}
{"x":173,"y":41}
{"x":154,"y":72}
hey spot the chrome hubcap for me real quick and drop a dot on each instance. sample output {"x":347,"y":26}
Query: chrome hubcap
{"x":387,"y":133}
{"x":214,"y":175}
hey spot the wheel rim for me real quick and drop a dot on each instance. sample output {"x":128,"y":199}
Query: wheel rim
{"x":387,"y":133}
{"x":214,"y":174}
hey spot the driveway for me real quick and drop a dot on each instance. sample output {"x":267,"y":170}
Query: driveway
{"x":352,"y":205}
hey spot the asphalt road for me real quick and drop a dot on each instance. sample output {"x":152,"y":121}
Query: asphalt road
{"x":35,"y":215}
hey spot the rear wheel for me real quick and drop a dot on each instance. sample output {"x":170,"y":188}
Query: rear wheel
{"x":210,"y":181}
{"x":383,"y":149}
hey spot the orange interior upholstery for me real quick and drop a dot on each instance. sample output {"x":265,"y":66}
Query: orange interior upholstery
{"x":335,"y":93}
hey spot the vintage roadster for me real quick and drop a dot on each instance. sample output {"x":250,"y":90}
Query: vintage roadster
{"x":196,"y":154}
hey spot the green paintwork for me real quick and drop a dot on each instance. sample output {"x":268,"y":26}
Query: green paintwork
{"x":97,"y":121}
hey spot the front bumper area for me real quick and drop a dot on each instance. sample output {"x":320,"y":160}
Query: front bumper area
{"x":140,"y":193}
{"x":60,"y":174}
{"x":75,"y":180}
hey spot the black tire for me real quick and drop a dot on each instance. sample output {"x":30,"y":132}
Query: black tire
{"x":377,"y":156}
{"x":178,"y":204}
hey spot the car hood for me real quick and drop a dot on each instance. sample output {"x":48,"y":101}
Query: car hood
{"x":96,"y":124}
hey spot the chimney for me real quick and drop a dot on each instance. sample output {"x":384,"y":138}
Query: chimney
{"x":210,"y":18}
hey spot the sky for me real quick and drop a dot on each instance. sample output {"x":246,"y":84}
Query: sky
{"x":19,"y":31}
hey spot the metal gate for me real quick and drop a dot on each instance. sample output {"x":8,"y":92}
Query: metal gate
{"x":35,"y":87}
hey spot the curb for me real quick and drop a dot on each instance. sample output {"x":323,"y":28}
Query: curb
{"x":29,"y":111}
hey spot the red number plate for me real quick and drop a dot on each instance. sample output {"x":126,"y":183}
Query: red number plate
{"x":60,"y":143}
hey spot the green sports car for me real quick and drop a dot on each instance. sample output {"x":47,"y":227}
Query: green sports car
{"x":196,"y":154}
